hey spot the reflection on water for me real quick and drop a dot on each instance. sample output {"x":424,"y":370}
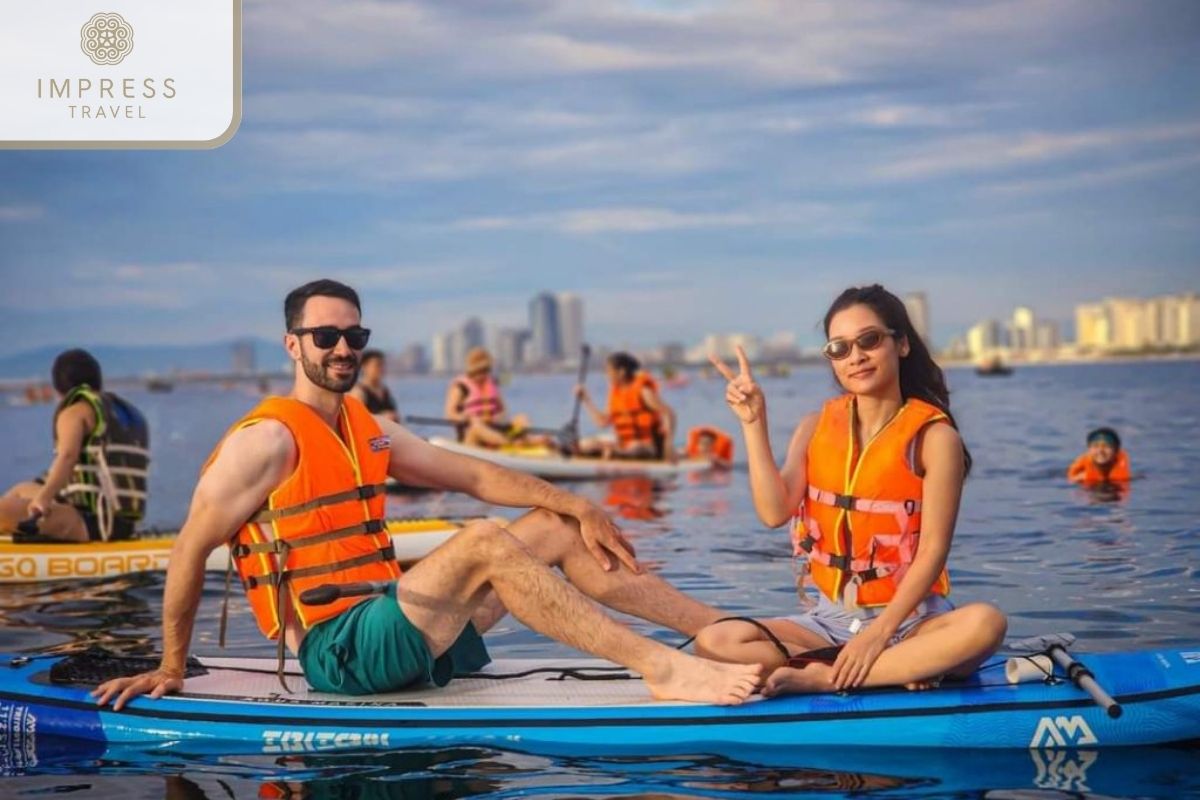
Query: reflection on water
{"x":496,"y":773}
{"x":1118,"y":569}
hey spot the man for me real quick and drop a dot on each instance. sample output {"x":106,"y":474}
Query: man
{"x":371,"y":389}
{"x":273,"y":484}
{"x":95,"y":488}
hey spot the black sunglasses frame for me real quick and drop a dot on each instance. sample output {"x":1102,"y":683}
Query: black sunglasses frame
{"x":322,"y":331}
{"x":883,"y":333}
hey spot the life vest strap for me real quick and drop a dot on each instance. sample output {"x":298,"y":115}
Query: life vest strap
{"x":358,"y":493}
{"x":277,"y":579}
{"x":241,"y":550}
{"x":848,"y":502}
{"x":864,"y":569}
{"x":125,"y":449}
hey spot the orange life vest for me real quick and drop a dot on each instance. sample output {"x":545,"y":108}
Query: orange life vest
{"x":633,"y":420}
{"x":722,"y":446}
{"x":859,"y":524}
{"x":480,"y":401}
{"x":1087,"y":473}
{"x":324,"y":523}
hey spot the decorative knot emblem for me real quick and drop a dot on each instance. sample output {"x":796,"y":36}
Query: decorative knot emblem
{"x":106,"y":38}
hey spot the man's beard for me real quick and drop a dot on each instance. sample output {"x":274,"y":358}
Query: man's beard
{"x":319,"y":373}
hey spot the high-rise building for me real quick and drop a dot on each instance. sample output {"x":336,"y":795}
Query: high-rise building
{"x":570,"y":325}
{"x":1131,"y":324}
{"x":1045,"y":335}
{"x":983,"y":337}
{"x":1092,"y":326}
{"x":546,"y":342}
{"x":510,"y":346}
{"x":917,"y":305}
{"x":473,"y":333}
{"x":1022,"y":329}
{"x":440,"y":356}
{"x":411,"y":360}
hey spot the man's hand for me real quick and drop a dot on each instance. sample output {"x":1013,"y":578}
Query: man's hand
{"x":156,"y":683}
{"x":602,"y":537}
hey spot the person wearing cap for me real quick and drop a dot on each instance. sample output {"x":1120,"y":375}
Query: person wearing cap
{"x":1104,"y":461}
{"x":473,"y":400}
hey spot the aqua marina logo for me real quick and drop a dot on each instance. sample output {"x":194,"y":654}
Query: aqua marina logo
{"x":106,"y":38}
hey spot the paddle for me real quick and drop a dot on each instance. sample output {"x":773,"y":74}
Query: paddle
{"x":415,"y":419}
{"x":567,"y":435}
{"x":1055,"y":645}
{"x":571,"y":429}
{"x":327,"y":593}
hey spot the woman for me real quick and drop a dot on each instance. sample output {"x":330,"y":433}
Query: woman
{"x":873,"y":482}
{"x":96,"y":486}
{"x":643,"y":422}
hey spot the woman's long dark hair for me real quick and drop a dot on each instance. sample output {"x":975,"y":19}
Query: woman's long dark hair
{"x":920,"y":376}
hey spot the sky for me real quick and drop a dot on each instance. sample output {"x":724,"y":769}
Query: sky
{"x":686,"y":167}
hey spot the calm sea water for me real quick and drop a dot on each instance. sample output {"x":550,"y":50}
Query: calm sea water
{"x":1119,"y":573}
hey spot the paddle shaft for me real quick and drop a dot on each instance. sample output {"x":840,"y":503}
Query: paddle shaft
{"x":1082,"y":677}
{"x":327,"y":593}
{"x":585,"y":353}
{"x":414,"y":419}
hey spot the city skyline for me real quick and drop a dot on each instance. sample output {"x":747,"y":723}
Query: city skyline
{"x":685,"y":167}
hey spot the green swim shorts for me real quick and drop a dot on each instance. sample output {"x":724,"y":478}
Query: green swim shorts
{"x":373,"y":648}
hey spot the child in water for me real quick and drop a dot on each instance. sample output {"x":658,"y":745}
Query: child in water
{"x":1104,"y":461}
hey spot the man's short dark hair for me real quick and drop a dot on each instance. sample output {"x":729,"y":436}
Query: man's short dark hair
{"x":74,"y":368}
{"x":370,"y":355}
{"x":293,"y":304}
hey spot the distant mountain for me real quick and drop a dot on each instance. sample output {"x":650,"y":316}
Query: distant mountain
{"x":119,"y":361}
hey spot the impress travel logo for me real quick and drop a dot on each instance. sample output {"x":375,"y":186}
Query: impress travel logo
{"x":106,"y":38}
{"x":145,"y":74}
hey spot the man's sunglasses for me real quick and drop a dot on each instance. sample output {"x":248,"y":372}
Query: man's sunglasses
{"x":326,"y":336}
{"x":837,"y":349}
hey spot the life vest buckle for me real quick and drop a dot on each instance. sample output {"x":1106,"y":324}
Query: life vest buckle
{"x":844,"y":502}
{"x":910,"y":507}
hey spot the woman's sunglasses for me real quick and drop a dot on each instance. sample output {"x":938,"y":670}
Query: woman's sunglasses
{"x":326,"y":336}
{"x":837,"y":349}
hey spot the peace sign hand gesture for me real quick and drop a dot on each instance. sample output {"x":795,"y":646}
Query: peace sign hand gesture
{"x":742,"y":394}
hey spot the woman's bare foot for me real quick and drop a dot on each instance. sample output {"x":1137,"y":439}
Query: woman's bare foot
{"x":809,"y":679}
{"x":699,"y":680}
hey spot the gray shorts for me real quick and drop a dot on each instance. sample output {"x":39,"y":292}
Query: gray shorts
{"x":838,"y":624}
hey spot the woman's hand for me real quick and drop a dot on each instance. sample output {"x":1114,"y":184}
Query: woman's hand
{"x":854,"y":663}
{"x":742,"y":394}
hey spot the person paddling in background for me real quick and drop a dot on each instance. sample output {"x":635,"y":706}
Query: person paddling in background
{"x":872,"y":483}
{"x":372,"y":390}
{"x":96,"y":486}
{"x":473,"y":399}
{"x":642,"y":420}
{"x":1104,"y":462}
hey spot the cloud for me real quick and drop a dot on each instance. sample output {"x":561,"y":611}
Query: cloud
{"x":29,"y":212}
{"x":812,"y":219}
{"x":993,"y":152}
{"x":1097,"y":177}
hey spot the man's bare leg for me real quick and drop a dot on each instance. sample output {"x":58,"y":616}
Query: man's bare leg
{"x":445,"y":589}
{"x":555,"y":540}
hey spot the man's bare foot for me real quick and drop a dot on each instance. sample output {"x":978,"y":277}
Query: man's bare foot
{"x":809,"y":679}
{"x":699,"y":680}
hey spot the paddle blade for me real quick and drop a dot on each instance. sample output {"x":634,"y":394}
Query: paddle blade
{"x":1040,"y":644}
